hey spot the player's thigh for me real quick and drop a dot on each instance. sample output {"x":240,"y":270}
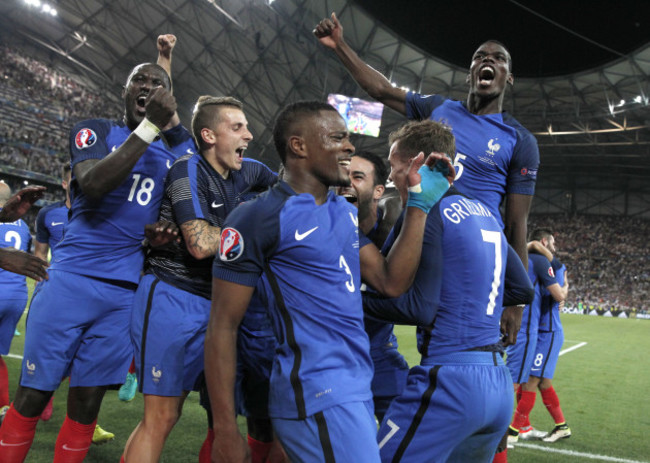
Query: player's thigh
{"x":105,"y":352}
{"x":10,"y":312}
{"x":549,"y":344}
{"x":58,"y":316}
{"x":441,"y":408}
{"x":341,"y":433}
{"x":168,"y":331}
{"x":520,"y":357}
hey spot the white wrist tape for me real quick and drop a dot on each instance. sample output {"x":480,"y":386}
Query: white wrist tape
{"x":147,"y":131}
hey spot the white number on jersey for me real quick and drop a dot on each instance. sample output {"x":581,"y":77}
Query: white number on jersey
{"x":15,"y":237}
{"x":457,"y":164}
{"x":344,"y":265}
{"x":494,"y":238}
{"x":143,"y":194}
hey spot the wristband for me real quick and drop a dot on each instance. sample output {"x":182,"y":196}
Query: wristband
{"x":433,"y":185}
{"x":147,"y":131}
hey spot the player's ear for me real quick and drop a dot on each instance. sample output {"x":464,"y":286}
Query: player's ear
{"x":510,"y":80}
{"x":378,"y":192}
{"x":208,"y":136}
{"x":467,"y":78}
{"x":297,"y":146}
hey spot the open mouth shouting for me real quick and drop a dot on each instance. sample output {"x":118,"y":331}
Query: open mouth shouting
{"x":486,"y":75}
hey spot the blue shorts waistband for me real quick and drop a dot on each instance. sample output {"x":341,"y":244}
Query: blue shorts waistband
{"x":464,"y":358}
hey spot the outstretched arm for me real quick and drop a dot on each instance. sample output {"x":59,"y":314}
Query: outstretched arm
{"x":23,"y":263}
{"x":166,"y":44}
{"x":330,"y":33}
{"x":393,"y":275}
{"x":19,"y":203}
{"x":229,"y":303}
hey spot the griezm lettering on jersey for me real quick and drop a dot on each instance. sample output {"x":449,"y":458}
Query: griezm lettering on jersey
{"x":463,"y":208}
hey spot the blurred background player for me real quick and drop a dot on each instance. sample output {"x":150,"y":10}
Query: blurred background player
{"x":368,"y":175}
{"x":458,"y":400}
{"x":497,"y":158}
{"x":13,"y":288}
{"x":172,"y":304}
{"x":80,"y":317}
{"x":320,"y":384}
{"x":522,"y":355}
{"x":550,"y":338}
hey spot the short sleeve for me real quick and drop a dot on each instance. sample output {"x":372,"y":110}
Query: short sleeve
{"x":184,"y":189}
{"x":88,"y":140}
{"x":522,"y":174}
{"x":42,"y":232}
{"x":419,"y":107}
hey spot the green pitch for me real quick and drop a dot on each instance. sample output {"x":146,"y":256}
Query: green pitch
{"x":602,"y":386}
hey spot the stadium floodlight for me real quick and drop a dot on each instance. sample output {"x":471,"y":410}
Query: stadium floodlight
{"x":35,"y":3}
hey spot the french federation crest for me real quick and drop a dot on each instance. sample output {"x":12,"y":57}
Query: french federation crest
{"x":85,"y":138}
{"x":232,"y":245}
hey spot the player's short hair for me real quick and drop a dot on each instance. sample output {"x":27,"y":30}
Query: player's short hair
{"x":206,"y":114}
{"x":5,"y":193}
{"x":379,"y":164}
{"x":290,"y":115}
{"x":168,"y":80}
{"x":426,"y":136}
{"x":540,"y":233}
{"x":505,"y":48}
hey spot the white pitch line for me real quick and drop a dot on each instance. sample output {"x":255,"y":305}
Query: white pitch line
{"x":14,"y":356}
{"x":590,"y":456}
{"x":577,"y":346}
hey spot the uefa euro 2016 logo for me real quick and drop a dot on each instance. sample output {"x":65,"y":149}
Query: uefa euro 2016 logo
{"x":85,"y":138}
{"x":232,"y":245}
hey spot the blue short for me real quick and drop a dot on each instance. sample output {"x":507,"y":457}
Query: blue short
{"x":10,"y":312}
{"x":549,"y":344}
{"x":254,"y":362}
{"x":343,"y":433}
{"x":168,"y":331}
{"x":389,"y":379}
{"x":520,"y":357}
{"x":78,"y":326}
{"x":453,"y":409}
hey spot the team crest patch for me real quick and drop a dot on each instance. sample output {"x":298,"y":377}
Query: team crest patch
{"x":232,"y":245}
{"x":85,"y":138}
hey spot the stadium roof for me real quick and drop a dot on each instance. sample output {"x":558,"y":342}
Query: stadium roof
{"x":584,"y":93}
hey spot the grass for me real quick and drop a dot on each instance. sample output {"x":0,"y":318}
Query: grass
{"x":602,"y":388}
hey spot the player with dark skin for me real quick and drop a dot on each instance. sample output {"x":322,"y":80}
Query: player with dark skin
{"x":317,"y":150}
{"x":13,"y":208}
{"x":146,"y":94}
{"x":489,"y":75}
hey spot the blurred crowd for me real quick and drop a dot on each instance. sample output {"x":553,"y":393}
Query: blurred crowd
{"x":38,"y":106}
{"x":607,"y":259}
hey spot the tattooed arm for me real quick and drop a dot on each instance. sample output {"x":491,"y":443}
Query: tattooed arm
{"x":201,"y":238}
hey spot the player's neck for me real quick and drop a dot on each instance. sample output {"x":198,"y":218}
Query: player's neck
{"x":367,"y":219}
{"x":301,"y":183}
{"x":484,"y":105}
{"x":212,"y":159}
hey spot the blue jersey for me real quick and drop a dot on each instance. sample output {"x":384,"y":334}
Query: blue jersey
{"x":195,"y":191}
{"x":310,"y":258}
{"x":50,"y":222}
{"x":541,"y":275}
{"x":14,"y":235}
{"x":550,"y":308}
{"x":495,"y":155}
{"x":103,"y":238}
{"x":459,"y":287}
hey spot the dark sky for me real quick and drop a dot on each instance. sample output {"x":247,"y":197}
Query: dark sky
{"x":453,"y":29}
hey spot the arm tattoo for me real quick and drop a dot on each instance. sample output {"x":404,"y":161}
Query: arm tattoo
{"x":201,"y":237}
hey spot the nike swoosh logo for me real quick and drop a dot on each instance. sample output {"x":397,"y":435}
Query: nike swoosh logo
{"x":189,"y":151}
{"x":5,"y":444}
{"x":215,"y":205}
{"x":113,"y":148}
{"x":54,"y":224}
{"x":65,"y":447}
{"x":169,"y":165}
{"x":302,"y":236}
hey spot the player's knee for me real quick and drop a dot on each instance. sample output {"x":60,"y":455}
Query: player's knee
{"x":162,"y":419}
{"x":31,"y":402}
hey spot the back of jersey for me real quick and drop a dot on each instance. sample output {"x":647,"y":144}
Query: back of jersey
{"x":474,"y":252}
{"x":14,"y":235}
